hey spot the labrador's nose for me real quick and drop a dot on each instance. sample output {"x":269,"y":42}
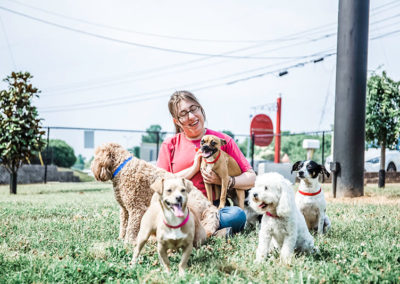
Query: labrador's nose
{"x":179,"y":199}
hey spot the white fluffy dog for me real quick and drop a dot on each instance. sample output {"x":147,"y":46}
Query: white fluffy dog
{"x":282,"y":222}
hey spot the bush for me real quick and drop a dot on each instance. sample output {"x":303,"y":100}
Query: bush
{"x":60,"y":154}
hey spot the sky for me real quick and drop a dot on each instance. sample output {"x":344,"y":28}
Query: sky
{"x":114,"y":64}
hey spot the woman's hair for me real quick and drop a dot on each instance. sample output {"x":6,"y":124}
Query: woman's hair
{"x":174,"y":101}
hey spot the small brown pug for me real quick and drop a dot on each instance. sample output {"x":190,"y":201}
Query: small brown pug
{"x":215,"y":159}
{"x":170,"y":219}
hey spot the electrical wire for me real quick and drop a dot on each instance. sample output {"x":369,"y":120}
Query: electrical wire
{"x":86,"y":86}
{"x":80,"y":106}
{"x":131,"y":43}
{"x":101,"y":25}
{"x":297,"y":65}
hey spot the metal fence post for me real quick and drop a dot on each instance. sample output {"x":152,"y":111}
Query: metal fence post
{"x":47,"y":155}
{"x":158,"y":142}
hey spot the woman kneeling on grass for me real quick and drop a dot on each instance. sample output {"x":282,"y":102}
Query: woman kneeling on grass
{"x":178,"y":155}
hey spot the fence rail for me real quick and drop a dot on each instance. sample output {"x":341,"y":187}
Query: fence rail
{"x":133,"y":138}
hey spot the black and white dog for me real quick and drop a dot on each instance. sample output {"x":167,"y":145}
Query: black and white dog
{"x":310,"y":197}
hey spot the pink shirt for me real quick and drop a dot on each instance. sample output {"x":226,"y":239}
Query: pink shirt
{"x":177,"y":153}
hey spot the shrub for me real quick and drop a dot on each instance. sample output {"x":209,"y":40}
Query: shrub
{"x":60,"y":154}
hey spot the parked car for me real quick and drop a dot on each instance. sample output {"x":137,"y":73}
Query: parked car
{"x":373,"y":159}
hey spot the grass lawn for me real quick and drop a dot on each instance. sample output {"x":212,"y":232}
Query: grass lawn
{"x":67,"y":233}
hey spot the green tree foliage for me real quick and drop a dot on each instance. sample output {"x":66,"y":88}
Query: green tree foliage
{"x":382,"y":125}
{"x":20,"y":130}
{"x":135,"y":151}
{"x":80,"y":162}
{"x":151,"y":136}
{"x":60,"y":154}
{"x":229,"y":133}
{"x":292,"y":145}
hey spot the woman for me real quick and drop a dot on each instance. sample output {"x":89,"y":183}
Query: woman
{"x":180,"y":155}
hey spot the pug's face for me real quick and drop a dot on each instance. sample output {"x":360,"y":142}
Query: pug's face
{"x":210,"y":145}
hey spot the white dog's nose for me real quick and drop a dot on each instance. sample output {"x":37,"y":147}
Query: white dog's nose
{"x":255,"y":194}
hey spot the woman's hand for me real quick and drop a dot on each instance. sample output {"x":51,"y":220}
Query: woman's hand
{"x":211,"y":177}
{"x":197,"y":162}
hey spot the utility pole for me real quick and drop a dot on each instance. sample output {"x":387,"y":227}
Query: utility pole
{"x":350,"y":98}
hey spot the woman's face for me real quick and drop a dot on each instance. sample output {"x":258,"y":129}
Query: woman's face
{"x":190,"y":119}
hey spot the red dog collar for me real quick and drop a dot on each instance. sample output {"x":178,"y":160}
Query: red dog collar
{"x":270,"y":215}
{"x":310,"y":194}
{"x":216,"y":159}
{"x":180,"y":225}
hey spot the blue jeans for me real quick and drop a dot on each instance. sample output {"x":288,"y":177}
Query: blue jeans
{"x":232,"y":216}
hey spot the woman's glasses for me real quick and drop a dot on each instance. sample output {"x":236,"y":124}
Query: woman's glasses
{"x":183,"y":116}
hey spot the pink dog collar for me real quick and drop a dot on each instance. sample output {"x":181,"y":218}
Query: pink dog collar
{"x":180,"y":225}
{"x":270,"y":215}
{"x":310,"y":194}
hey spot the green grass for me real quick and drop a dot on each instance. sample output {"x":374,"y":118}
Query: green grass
{"x":66,"y":233}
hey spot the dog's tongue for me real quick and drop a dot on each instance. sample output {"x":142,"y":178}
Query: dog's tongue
{"x":178,"y":210}
{"x":206,"y":154}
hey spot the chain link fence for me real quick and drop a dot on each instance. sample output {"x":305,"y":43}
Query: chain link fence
{"x":146,"y":144}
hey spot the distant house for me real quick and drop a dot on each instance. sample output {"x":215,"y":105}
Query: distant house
{"x":148,"y":151}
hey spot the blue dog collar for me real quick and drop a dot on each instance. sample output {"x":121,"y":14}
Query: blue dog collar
{"x":121,"y":166}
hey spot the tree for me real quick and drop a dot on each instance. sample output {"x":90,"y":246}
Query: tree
{"x":382,"y":125}
{"x":151,"y":136}
{"x":59,"y":153}
{"x":229,"y":133}
{"x":80,"y":162}
{"x":20,"y":130}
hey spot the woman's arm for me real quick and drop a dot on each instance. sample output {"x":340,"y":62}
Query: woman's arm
{"x":246,"y":180}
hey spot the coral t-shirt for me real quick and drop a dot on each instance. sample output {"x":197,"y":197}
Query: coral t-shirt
{"x":177,"y":153}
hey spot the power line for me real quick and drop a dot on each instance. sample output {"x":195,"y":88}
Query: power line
{"x":105,"y":84}
{"x":214,"y":85}
{"x":144,"y":33}
{"x":85,"y":86}
{"x":122,"y":81}
{"x":193,"y":83}
{"x":138,"y":99}
{"x":135,"y":43}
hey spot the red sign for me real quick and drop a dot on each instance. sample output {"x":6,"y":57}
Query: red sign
{"x":263,"y":130}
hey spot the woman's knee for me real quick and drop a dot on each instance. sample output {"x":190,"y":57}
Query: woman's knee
{"x":234,"y":217}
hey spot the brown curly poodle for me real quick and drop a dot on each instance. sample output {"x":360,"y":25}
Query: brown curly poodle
{"x":132,"y":189}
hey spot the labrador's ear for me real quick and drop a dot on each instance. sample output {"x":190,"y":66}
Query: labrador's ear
{"x":223,"y":142}
{"x":158,"y":186}
{"x":324,"y":171}
{"x":296,"y":167}
{"x":188,"y":184}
